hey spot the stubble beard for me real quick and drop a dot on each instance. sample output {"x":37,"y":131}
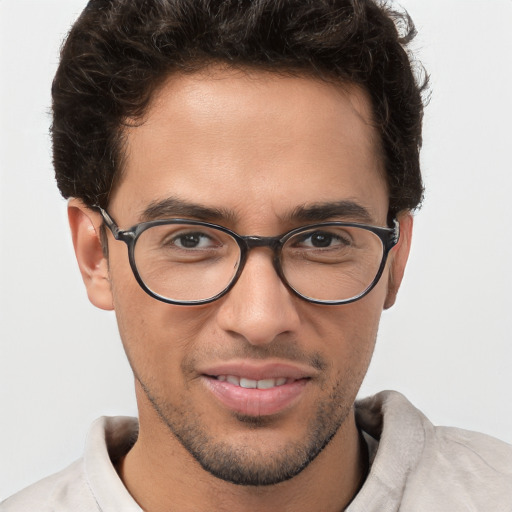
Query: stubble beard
{"x":252,"y":465}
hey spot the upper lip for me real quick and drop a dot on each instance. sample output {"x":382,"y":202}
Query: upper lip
{"x":259,"y":370}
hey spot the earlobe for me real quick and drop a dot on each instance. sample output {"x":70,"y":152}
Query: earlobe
{"x":85,"y":230}
{"x":398,"y":258}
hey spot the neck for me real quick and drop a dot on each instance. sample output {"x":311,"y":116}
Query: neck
{"x":161,"y":475}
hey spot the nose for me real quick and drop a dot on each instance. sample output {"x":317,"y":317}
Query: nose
{"x":259,"y":308}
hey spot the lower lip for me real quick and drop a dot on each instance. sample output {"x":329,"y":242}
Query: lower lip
{"x":256,"y":402}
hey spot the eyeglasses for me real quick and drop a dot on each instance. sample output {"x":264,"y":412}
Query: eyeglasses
{"x":189,"y":262}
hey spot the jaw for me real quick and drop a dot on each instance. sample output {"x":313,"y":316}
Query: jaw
{"x":326,"y":482}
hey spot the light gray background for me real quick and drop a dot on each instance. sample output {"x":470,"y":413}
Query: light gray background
{"x":446,"y":344}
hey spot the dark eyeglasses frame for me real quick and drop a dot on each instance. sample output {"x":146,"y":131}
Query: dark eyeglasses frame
{"x":388,"y":236}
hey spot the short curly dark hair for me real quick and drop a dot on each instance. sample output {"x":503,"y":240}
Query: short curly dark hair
{"x":119,"y":51}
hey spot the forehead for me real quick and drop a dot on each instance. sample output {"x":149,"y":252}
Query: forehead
{"x":255,"y":144}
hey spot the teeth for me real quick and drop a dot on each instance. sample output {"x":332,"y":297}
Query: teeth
{"x":248,"y":383}
{"x":251,"y":383}
{"x":233,"y":380}
{"x":266,"y":383}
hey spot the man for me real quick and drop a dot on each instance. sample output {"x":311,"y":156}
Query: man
{"x":260,"y":162}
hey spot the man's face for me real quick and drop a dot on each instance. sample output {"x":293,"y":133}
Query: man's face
{"x":256,"y":148}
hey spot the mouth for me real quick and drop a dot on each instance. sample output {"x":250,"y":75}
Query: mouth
{"x":257,"y":390}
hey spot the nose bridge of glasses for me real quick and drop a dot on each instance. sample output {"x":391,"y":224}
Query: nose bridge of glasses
{"x":273,"y":242}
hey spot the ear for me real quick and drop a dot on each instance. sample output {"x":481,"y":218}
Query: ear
{"x":85,"y":229}
{"x":398,"y":256}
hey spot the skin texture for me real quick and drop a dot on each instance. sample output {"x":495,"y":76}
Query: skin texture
{"x":255,"y":146}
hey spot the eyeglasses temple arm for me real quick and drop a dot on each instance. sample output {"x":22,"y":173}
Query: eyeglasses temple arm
{"x":396,"y":231}
{"x":109,"y":222}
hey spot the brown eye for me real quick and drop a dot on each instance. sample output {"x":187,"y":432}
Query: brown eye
{"x":192,"y":241}
{"x":321,"y":239}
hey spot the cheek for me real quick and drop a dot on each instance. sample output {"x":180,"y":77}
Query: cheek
{"x":347,"y":333}
{"x":156,"y":336}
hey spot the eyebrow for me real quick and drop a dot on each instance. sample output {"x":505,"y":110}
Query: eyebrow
{"x":174,"y":207}
{"x":319,"y":212}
